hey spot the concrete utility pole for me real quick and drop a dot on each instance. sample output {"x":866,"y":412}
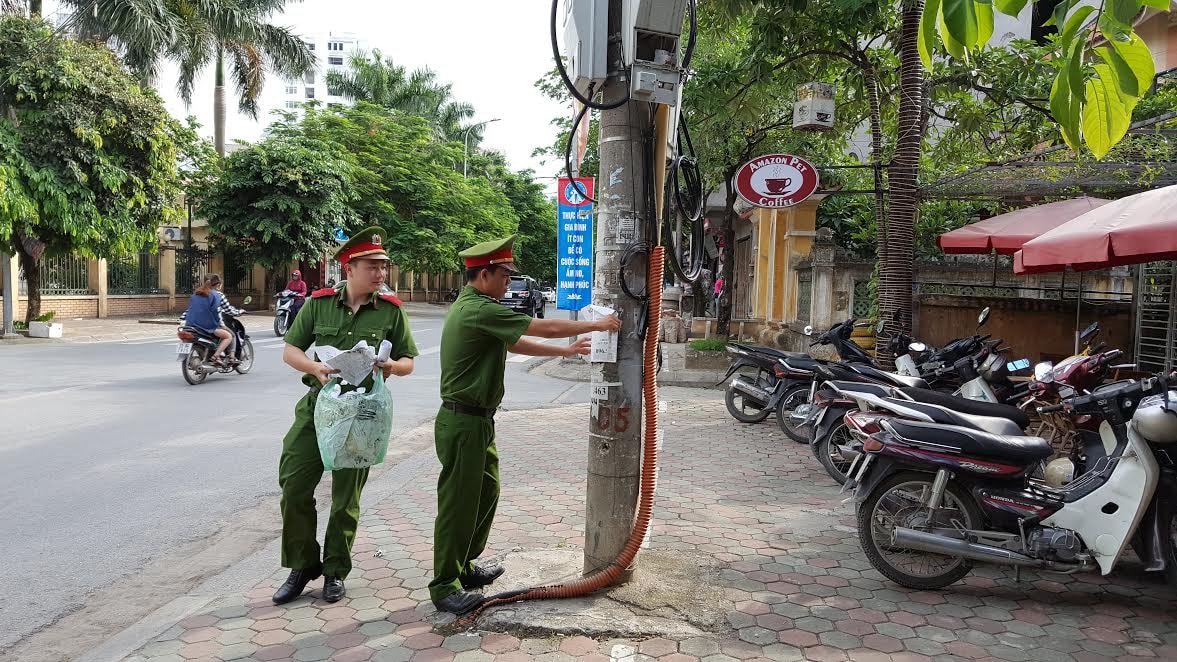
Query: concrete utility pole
{"x":615,"y":421}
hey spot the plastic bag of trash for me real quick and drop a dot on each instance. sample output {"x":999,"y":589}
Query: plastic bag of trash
{"x":353,"y":427}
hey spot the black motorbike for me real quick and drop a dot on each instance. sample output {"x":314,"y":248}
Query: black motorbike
{"x":752,"y":396}
{"x":934,"y":498}
{"x":197,"y":349}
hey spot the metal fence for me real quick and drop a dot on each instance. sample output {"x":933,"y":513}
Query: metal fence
{"x":1156,"y":317}
{"x":804,"y":295}
{"x":133,"y":274}
{"x":190,"y":268}
{"x":61,"y":276}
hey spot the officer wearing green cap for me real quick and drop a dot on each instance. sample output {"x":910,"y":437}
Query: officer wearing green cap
{"x":337,"y":317}
{"x":478,"y":333}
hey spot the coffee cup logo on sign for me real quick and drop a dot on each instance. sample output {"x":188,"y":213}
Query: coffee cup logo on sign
{"x":776,"y":180}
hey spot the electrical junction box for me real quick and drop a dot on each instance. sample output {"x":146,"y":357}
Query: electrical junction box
{"x":655,"y":83}
{"x":649,"y":25}
{"x":814,"y":108}
{"x":586,"y":41}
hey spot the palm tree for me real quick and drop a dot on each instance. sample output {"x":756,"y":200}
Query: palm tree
{"x":235,"y":33}
{"x":378,"y":80}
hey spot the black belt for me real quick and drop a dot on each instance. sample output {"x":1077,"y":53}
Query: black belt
{"x":468,"y":410}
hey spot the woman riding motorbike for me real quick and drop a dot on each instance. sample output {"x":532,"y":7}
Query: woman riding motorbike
{"x":205,"y":310}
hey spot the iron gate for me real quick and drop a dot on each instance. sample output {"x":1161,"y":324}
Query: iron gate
{"x":1156,"y":317}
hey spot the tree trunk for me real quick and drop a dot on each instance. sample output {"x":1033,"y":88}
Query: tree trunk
{"x":895,"y":296}
{"x":727,"y":257}
{"x":29,"y":250}
{"x":219,"y":105}
{"x":876,"y":135}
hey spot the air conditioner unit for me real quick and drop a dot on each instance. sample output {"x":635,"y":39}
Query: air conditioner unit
{"x":172,"y":233}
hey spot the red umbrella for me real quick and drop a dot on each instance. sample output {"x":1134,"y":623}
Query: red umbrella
{"x":1007,"y":232}
{"x":1139,"y":228}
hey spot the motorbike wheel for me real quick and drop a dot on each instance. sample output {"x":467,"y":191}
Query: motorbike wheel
{"x":190,"y":366}
{"x":280,"y":325}
{"x":742,"y":410}
{"x":794,"y":397}
{"x":828,"y":454}
{"x":898,"y":501}
{"x":246,"y":358}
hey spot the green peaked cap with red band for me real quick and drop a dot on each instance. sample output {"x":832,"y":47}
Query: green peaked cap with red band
{"x":367,"y":244}
{"x":496,"y":252}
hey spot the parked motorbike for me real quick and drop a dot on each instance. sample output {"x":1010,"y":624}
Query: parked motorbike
{"x":835,"y":444}
{"x":832,"y":439}
{"x":750,"y":398}
{"x":933,"y":499}
{"x":285,"y":311}
{"x":197,"y":348}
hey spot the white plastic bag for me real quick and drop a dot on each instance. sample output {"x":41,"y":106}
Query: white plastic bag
{"x":352,"y":428}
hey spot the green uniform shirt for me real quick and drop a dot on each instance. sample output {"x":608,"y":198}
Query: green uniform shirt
{"x":474,"y":345}
{"x":329,"y":321}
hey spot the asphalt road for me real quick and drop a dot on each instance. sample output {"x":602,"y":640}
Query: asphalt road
{"x":109,"y":460}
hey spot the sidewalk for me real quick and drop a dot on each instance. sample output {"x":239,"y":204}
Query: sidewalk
{"x":115,"y":329}
{"x":766,"y":527}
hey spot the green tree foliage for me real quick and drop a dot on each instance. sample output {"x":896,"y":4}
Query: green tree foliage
{"x":87,"y":157}
{"x":554,"y":154}
{"x":404,"y":180}
{"x":378,"y":80}
{"x":279,"y":200}
{"x":1102,"y":67}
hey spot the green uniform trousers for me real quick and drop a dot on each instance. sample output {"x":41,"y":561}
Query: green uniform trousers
{"x":299,"y":472}
{"x":467,"y":495}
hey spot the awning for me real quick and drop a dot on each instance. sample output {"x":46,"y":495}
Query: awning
{"x":1007,"y":232}
{"x":1132,"y":230}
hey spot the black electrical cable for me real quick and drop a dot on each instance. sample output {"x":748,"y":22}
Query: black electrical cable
{"x":568,"y":151}
{"x":686,"y":58}
{"x":587,"y":101}
{"x":687,"y":186}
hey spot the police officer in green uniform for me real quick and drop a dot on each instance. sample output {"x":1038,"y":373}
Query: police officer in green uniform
{"x":336,"y":317}
{"x":478,"y":333}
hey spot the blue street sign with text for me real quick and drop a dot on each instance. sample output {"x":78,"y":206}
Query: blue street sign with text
{"x":574,"y":243}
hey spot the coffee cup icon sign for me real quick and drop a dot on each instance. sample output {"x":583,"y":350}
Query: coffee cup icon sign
{"x":777,"y":185}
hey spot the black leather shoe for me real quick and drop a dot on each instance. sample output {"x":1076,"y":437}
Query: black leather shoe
{"x":333,"y":589}
{"x":459,"y":603}
{"x":481,"y":576}
{"x":295,"y":584}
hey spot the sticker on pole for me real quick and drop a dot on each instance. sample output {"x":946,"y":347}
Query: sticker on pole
{"x":776,"y":180}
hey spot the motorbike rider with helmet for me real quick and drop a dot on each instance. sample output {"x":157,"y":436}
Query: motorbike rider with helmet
{"x":299,"y":287}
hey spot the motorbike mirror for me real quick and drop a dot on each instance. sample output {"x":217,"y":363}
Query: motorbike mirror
{"x":917,"y":347}
{"x":247,"y":301}
{"x":983,"y":317}
{"x":808,"y":330}
{"x":1087,"y":333}
{"x":1044,"y":372}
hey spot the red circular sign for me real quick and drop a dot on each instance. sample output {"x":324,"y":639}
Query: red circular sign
{"x":776,"y":180}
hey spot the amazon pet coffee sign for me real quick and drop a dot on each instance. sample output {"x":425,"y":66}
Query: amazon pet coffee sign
{"x":776,"y":180}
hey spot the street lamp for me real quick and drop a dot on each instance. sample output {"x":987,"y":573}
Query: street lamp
{"x":466,"y":151}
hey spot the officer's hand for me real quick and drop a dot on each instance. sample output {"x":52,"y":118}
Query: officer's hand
{"x":609,"y":323}
{"x":324,"y":372}
{"x":579,"y":348}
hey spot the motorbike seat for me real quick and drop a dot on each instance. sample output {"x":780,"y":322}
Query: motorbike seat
{"x":947,"y":416}
{"x":200,"y":332}
{"x":890,"y":377}
{"x":976,"y":443}
{"x":966,"y":406}
{"x":878,"y":390}
{"x":773,"y":352}
{"x":802,"y":362}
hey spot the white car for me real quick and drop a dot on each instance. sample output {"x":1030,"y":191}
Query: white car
{"x":549,"y":295}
